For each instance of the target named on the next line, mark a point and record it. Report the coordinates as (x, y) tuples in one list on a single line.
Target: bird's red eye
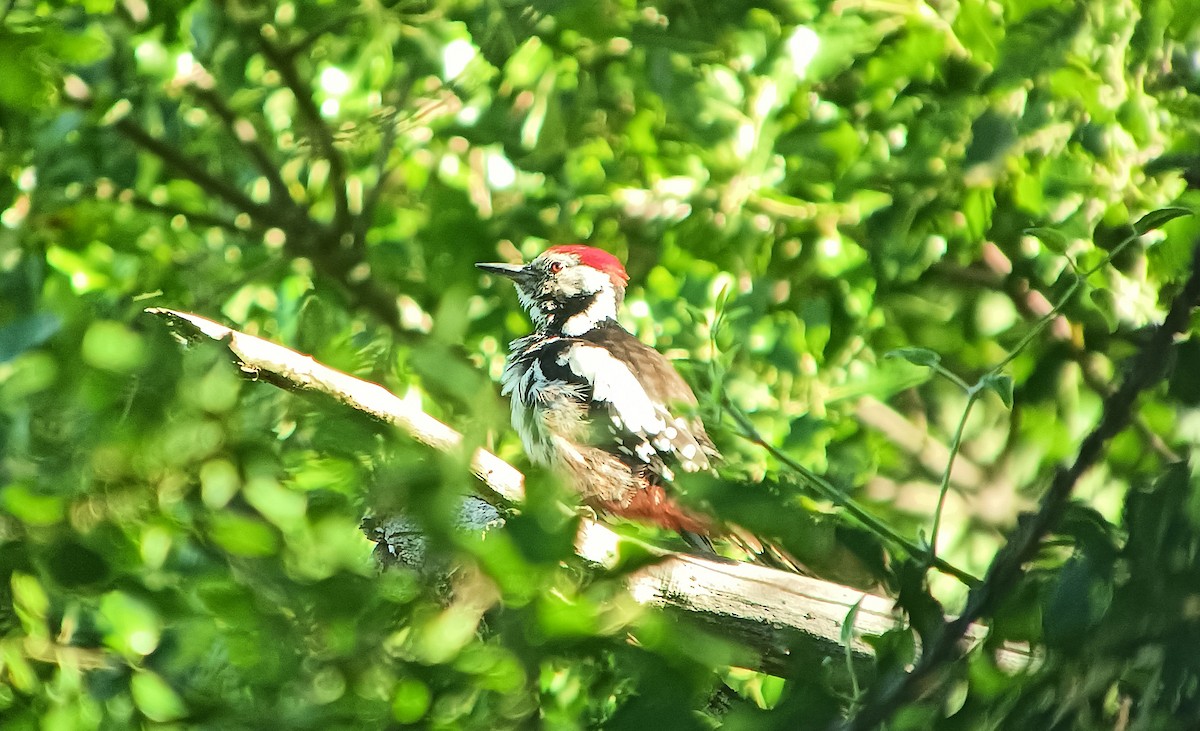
[(556, 267)]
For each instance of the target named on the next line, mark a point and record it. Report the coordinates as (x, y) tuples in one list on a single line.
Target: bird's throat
[(601, 307)]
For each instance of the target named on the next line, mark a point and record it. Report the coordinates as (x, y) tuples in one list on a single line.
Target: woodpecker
[(592, 401)]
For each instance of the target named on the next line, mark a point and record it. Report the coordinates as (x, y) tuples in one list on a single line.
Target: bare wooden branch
[(289, 369), (779, 615)]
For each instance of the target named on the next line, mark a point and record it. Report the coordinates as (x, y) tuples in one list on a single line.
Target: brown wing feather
[(684, 443)]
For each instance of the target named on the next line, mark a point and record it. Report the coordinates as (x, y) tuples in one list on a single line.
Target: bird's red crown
[(597, 259)]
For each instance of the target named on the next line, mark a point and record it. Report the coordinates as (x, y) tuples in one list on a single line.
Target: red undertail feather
[(651, 504)]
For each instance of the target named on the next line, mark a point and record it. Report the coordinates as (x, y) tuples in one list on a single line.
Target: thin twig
[(1103, 386), (1026, 301), (944, 485), (844, 501), (892, 691), (196, 217), (285, 64), (309, 40), (973, 392), (191, 170), (382, 174), (258, 154), (1080, 279)]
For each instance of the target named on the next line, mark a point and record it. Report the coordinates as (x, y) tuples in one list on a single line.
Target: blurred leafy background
[(799, 188)]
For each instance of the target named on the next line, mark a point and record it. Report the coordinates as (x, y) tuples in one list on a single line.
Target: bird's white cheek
[(603, 307)]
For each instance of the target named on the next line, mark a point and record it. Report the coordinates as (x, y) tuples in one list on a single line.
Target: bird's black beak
[(515, 272)]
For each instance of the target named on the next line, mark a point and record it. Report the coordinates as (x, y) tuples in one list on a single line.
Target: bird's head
[(569, 289)]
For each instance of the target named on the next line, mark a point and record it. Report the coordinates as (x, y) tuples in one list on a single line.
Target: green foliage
[(994, 193)]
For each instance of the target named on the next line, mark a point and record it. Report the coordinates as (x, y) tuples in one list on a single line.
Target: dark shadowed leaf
[(1002, 385), (27, 332)]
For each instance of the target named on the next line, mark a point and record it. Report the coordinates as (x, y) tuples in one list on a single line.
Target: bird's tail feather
[(699, 541), (765, 552)]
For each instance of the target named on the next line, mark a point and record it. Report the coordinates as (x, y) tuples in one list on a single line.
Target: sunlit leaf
[(916, 356), (1157, 219), (1054, 239), (155, 698)]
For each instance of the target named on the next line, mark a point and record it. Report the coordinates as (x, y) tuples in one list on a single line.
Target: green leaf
[(847, 633), (916, 356), (843, 37), (1157, 219), (27, 332), (411, 700), (1105, 303), (1081, 593), (1054, 239), (244, 536), (88, 46), (1035, 46), (112, 346), (978, 206), (29, 599), (1002, 385), (155, 698), (75, 566), (992, 136), (1184, 383), (134, 627), (32, 507)]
